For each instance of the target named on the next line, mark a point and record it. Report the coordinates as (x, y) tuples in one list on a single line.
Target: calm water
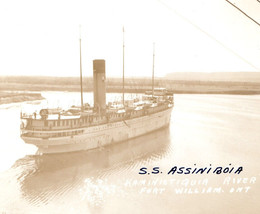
[(206, 130)]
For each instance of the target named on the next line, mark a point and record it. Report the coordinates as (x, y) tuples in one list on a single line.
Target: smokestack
[(99, 80)]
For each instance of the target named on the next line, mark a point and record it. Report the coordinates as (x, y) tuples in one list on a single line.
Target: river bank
[(12, 97), (132, 85)]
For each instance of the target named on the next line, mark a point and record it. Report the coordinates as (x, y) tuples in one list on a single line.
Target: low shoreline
[(134, 85), (14, 97), (183, 89)]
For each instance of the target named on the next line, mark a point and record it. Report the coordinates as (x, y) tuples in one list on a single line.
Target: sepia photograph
[(119, 106)]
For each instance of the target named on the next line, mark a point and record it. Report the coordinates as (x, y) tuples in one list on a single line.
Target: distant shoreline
[(132, 85), (127, 90), (14, 97)]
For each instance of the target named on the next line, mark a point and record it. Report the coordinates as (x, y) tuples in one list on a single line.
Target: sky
[(42, 37)]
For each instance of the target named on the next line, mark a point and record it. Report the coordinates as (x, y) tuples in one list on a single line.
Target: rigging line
[(243, 12), (81, 85), (210, 36)]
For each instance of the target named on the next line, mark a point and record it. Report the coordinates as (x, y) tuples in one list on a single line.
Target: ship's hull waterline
[(102, 135)]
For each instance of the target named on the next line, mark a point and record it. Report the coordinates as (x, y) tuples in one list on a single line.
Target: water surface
[(205, 131)]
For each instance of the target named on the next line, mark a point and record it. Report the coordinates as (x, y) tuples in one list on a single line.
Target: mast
[(153, 71), (123, 66), (81, 87)]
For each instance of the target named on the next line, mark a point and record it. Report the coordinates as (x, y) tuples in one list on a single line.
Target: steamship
[(90, 127)]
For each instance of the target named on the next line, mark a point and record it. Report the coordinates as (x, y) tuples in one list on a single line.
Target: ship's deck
[(58, 123)]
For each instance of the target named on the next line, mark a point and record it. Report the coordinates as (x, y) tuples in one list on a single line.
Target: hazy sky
[(42, 37)]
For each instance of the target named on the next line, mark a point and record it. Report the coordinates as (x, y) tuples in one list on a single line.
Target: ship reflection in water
[(70, 175)]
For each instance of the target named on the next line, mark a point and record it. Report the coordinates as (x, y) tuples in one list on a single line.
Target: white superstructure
[(85, 137)]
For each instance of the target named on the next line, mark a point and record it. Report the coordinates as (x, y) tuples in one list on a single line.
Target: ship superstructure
[(88, 127), (57, 130)]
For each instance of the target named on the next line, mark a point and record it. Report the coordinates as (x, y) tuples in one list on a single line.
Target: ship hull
[(102, 135)]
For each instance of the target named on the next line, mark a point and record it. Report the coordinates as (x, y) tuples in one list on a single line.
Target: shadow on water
[(56, 174)]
